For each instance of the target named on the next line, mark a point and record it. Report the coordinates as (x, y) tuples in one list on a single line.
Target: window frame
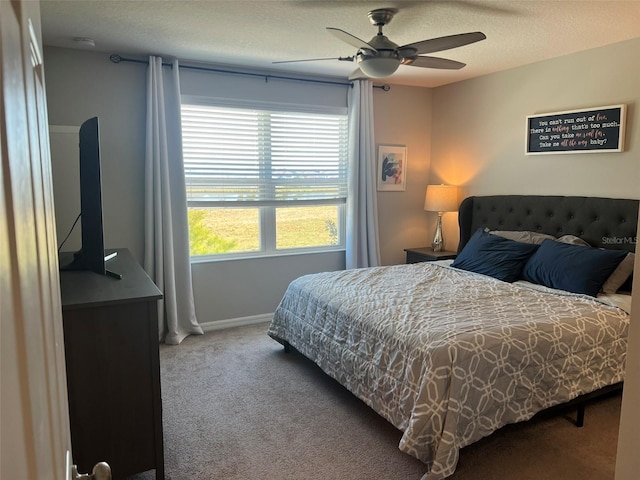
[(267, 213)]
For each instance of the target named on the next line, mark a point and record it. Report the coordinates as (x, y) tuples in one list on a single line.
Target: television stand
[(113, 368)]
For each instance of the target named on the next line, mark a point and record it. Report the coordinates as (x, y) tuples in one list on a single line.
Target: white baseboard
[(236, 322)]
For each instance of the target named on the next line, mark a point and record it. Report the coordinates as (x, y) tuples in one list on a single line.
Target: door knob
[(101, 471)]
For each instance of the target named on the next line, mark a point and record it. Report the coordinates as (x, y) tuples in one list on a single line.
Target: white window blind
[(261, 157)]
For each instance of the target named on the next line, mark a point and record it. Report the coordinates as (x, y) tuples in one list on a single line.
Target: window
[(263, 180)]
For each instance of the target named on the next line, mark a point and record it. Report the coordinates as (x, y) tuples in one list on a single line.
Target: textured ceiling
[(256, 33)]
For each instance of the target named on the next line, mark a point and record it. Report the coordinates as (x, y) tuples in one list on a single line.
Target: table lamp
[(441, 199)]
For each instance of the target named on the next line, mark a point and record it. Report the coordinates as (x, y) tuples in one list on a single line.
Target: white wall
[(479, 127), (63, 140), (403, 117), (81, 85)]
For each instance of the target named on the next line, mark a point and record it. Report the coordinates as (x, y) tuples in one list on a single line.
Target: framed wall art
[(594, 130), (392, 168)]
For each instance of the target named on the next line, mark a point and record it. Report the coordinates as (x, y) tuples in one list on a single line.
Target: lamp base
[(438, 239)]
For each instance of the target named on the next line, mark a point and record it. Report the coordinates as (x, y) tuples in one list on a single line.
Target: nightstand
[(426, 254)]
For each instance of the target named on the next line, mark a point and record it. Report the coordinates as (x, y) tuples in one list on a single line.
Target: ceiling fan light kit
[(378, 67), (380, 57)]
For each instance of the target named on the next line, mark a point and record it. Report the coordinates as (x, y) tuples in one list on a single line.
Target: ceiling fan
[(380, 57)]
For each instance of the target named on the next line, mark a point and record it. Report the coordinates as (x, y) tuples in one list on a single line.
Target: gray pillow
[(573, 240), (523, 236), (620, 274)]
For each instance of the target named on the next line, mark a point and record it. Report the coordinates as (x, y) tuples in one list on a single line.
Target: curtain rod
[(115, 58)]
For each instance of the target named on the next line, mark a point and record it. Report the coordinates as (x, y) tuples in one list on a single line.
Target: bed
[(448, 352)]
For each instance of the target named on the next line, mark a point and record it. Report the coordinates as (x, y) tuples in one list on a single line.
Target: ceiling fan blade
[(445, 43), (358, 75), (350, 39), (344, 59), (434, 62)]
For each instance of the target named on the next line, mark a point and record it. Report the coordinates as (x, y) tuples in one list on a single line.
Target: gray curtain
[(362, 204), (166, 257)]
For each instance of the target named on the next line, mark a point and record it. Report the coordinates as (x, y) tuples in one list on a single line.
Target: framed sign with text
[(596, 130)]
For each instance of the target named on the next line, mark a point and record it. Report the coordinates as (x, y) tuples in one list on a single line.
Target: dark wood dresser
[(113, 368)]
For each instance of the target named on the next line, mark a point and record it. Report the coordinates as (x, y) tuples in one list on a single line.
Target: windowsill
[(251, 256)]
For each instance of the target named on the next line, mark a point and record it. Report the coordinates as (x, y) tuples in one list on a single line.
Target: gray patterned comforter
[(449, 356)]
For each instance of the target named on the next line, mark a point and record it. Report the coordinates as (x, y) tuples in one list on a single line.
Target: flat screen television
[(91, 255)]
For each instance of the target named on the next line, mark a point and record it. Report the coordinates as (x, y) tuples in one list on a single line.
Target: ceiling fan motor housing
[(381, 16)]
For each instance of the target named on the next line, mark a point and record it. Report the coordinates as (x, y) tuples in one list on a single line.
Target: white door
[(34, 412)]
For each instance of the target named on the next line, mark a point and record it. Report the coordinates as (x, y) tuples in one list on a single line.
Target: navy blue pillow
[(573, 268), (494, 256)]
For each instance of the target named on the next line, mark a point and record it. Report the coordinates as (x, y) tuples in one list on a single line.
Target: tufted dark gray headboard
[(603, 222)]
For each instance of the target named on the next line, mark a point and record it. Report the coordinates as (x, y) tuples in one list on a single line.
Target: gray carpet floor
[(236, 407)]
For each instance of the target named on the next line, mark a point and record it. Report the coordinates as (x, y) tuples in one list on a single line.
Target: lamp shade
[(441, 198)]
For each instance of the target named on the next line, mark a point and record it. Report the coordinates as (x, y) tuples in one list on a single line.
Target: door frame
[(35, 438)]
